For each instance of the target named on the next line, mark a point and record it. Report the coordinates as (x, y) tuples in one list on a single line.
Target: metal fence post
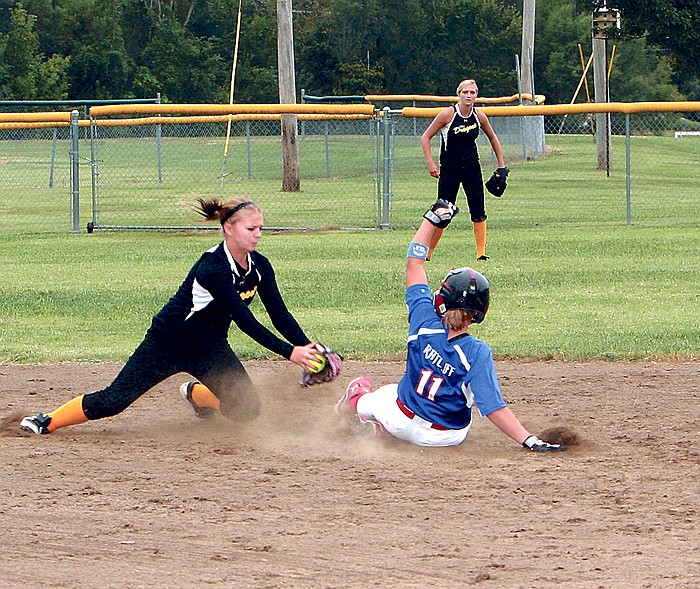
[(384, 216), (75, 174), (375, 136), (159, 145), (94, 174), (247, 150), (628, 171), (53, 157), (328, 149), (415, 122)]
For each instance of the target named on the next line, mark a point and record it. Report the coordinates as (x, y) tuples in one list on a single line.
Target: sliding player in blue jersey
[(449, 373)]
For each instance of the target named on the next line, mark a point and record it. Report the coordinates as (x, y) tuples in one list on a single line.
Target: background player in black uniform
[(190, 333), (459, 159)]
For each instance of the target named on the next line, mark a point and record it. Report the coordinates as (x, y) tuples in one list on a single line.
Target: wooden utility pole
[(605, 22), (531, 132), (287, 90), (527, 50), (601, 94)]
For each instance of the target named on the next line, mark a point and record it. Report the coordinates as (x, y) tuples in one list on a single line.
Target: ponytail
[(214, 210)]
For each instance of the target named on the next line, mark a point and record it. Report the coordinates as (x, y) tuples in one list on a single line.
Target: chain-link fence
[(35, 178), (151, 175), (365, 173)]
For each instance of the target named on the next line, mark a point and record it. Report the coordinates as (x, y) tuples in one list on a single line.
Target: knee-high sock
[(480, 238), (437, 234), (70, 413), (203, 397)]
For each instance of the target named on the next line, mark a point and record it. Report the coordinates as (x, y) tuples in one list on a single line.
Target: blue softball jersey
[(445, 378)]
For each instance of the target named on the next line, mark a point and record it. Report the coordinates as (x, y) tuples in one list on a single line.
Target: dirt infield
[(157, 498)]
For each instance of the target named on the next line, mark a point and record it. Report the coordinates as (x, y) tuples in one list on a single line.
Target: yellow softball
[(315, 366)]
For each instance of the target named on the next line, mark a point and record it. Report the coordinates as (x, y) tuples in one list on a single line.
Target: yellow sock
[(203, 397), (437, 234), (480, 237), (69, 414)]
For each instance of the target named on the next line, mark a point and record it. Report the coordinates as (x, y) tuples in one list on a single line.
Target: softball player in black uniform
[(189, 334), (459, 126)]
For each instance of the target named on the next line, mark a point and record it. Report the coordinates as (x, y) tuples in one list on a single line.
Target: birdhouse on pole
[(606, 22)]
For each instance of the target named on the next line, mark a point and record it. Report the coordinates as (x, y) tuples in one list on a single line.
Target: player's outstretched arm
[(505, 420), (437, 217), (418, 253)]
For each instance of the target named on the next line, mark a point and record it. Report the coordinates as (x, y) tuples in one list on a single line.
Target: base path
[(155, 497)]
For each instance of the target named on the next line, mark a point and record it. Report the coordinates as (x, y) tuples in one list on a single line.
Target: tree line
[(183, 49)]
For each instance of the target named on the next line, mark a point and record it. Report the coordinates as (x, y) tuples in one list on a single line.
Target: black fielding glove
[(497, 184)]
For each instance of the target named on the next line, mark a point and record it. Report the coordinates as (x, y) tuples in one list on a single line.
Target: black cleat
[(36, 424)]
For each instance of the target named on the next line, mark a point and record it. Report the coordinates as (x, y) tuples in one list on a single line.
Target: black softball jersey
[(216, 293), (458, 147)]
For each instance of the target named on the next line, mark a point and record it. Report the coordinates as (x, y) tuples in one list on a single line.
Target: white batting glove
[(534, 444)]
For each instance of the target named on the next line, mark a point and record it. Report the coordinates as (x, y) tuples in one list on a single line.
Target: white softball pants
[(381, 406)]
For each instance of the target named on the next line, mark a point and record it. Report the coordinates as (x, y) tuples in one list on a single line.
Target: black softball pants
[(470, 178), (215, 365)]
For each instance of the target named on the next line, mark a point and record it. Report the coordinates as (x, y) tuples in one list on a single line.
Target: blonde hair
[(231, 210), (457, 319), (464, 83)]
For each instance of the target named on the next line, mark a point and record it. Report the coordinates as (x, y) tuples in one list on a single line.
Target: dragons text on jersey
[(459, 139)]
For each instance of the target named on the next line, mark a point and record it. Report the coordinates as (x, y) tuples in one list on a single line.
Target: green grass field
[(565, 292), (570, 280)]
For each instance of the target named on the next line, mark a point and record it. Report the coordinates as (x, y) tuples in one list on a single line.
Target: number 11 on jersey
[(428, 376)]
